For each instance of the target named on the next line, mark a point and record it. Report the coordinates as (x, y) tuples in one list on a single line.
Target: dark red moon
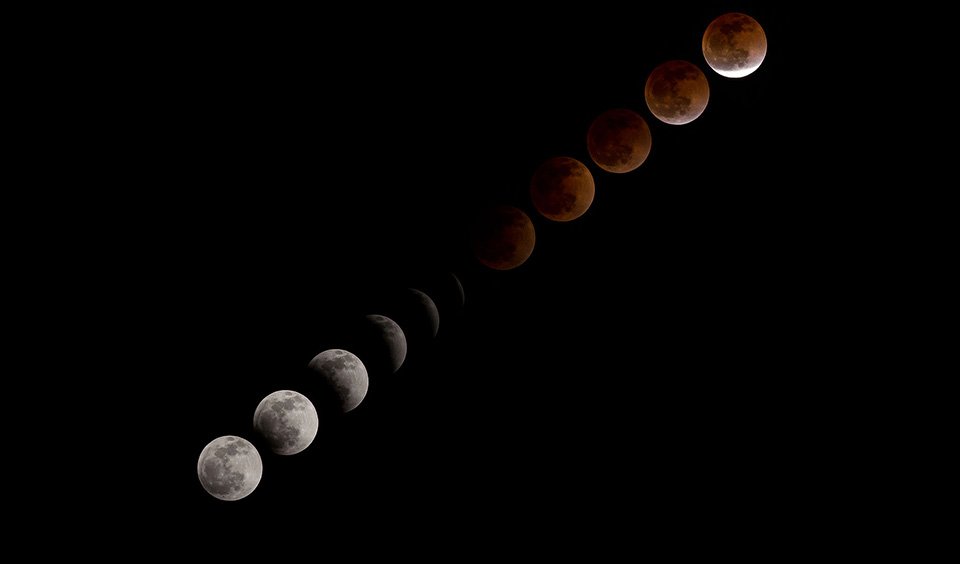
[(503, 237), (677, 92), (562, 189), (619, 140)]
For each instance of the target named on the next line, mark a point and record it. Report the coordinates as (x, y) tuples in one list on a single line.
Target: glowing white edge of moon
[(738, 73)]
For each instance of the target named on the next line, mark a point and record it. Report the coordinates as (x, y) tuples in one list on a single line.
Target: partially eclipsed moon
[(677, 92), (734, 45), (229, 468), (427, 311), (388, 344), (287, 421), (344, 379), (562, 189), (619, 140), (503, 237)]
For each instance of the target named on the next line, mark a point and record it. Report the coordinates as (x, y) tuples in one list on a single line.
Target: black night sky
[(646, 357)]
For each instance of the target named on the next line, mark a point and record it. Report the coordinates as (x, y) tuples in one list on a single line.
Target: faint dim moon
[(229, 468), (677, 92), (562, 189), (461, 295), (385, 343), (287, 421), (734, 45), (428, 314), (619, 140), (503, 237), (343, 379)]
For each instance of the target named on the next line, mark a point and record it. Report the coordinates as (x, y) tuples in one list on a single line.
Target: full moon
[(619, 140), (677, 92), (229, 468), (562, 189), (734, 45), (503, 238), (344, 378), (287, 421)]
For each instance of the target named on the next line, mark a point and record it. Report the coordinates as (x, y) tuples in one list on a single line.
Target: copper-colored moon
[(677, 92), (734, 45), (619, 140), (503, 237), (562, 189)]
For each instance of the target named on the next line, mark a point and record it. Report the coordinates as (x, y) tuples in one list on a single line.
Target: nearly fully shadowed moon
[(229, 468), (287, 421), (503, 237), (461, 295), (734, 45), (677, 92), (562, 189), (344, 379), (619, 140), (427, 308)]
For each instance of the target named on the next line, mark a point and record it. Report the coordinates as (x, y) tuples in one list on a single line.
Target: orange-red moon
[(734, 45), (503, 237), (677, 92), (619, 140), (562, 189)]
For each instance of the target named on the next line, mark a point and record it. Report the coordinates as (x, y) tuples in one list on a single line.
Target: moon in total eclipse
[(619, 140), (677, 92), (503, 237), (734, 45), (562, 189), (344, 379), (287, 421), (229, 468)]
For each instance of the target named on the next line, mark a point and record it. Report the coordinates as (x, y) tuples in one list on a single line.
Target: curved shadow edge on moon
[(429, 309), (388, 343), (343, 378)]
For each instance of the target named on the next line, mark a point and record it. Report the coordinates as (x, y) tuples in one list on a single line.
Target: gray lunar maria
[(287, 421), (229, 468), (344, 376)]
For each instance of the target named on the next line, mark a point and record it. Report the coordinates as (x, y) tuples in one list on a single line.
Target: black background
[(652, 356)]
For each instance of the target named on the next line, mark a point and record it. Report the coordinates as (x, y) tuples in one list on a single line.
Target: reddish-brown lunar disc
[(562, 189), (677, 92), (619, 140), (734, 45), (503, 237)]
